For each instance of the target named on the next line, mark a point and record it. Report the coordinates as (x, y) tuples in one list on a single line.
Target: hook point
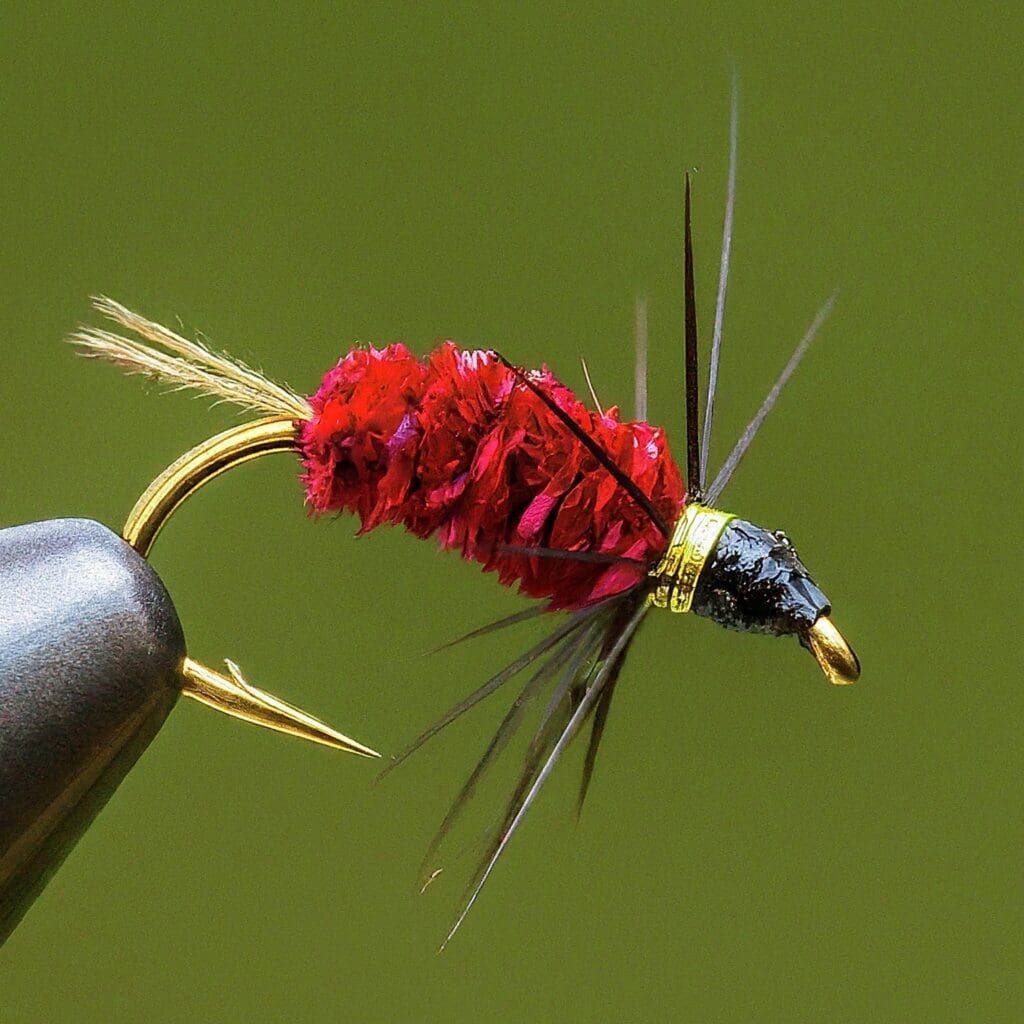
[(235, 696)]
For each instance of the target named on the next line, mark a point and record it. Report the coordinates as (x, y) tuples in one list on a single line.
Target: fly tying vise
[(580, 508), (93, 659)]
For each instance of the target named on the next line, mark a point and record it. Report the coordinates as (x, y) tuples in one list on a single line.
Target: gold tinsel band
[(693, 540)]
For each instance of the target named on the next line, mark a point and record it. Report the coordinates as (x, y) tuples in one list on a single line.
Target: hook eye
[(832, 652)]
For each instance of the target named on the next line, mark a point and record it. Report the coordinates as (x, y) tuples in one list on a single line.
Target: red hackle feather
[(455, 446)]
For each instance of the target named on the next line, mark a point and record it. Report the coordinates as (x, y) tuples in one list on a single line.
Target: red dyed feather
[(454, 445)]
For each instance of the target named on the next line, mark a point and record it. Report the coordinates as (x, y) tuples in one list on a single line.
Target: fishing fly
[(580, 509)]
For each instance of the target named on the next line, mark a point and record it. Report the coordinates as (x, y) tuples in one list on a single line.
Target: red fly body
[(457, 446)]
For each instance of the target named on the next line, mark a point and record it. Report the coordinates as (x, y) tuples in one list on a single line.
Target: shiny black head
[(755, 582)]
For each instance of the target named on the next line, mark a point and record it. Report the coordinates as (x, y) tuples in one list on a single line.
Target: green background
[(758, 846)]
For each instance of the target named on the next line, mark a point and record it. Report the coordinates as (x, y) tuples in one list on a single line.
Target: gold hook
[(231, 693), (198, 466)]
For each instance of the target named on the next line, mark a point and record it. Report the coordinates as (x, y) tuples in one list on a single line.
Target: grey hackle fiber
[(640, 364), (723, 281), (729, 467), (579, 716)]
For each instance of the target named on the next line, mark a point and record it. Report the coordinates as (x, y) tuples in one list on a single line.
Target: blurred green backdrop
[(757, 846)]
